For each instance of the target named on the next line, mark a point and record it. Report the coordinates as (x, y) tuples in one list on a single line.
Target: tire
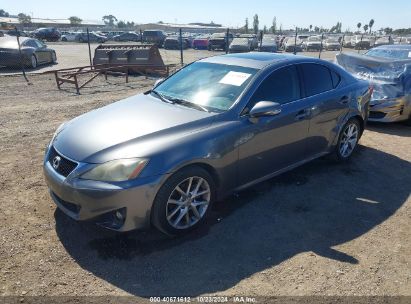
[(53, 58), (176, 214), (64, 39), (348, 141), (33, 61)]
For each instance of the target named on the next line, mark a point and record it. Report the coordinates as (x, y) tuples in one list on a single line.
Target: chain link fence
[(45, 50)]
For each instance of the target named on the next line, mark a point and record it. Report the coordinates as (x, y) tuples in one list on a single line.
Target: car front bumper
[(390, 110), (95, 200)]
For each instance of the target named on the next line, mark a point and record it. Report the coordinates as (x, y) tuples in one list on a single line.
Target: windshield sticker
[(235, 78)]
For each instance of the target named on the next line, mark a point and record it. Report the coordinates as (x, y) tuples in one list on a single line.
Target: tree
[(130, 24), (3, 13), (24, 19), (316, 29), (246, 25), (311, 27), (109, 20), (359, 25), (75, 20), (265, 31), (256, 24), (388, 31), (274, 26), (371, 24), (365, 28), (121, 24)]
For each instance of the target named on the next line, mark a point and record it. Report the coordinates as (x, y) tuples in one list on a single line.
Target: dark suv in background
[(218, 41), (156, 37), (48, 34)]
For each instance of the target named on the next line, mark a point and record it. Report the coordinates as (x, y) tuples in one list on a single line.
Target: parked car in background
[(201, 42), (33, 51), (173, 43), (290, 44), (156, 37), (268, 44), (347, 41), (360, 42), (49, 34), (253, 40), (252, 117), (129, 36), (313, 43), (402, 40), (240, 45), (331, 44), (386, 40), (83, 37), (14, 32), (388, 68), (69, 36), (218, 41)]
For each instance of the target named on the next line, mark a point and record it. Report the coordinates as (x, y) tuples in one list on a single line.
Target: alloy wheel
[(349, 140), (188, 202)]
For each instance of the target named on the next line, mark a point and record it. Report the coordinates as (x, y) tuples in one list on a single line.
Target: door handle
[(302, 114), (344, 99)]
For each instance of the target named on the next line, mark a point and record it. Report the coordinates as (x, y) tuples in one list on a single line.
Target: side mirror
[(158, 81), (265, 108)]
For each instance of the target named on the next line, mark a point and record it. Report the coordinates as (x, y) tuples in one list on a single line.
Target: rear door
[(327, 103), (271, 143)]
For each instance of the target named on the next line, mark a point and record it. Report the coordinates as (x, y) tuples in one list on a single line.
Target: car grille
[(65, 167)]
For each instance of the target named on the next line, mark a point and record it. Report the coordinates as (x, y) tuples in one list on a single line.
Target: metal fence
[(27, 55)]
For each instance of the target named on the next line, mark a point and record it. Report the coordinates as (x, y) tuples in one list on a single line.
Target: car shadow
[(311, 209), (402, 129)]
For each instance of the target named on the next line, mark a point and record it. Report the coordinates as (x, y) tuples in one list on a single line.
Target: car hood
[(139, 117)]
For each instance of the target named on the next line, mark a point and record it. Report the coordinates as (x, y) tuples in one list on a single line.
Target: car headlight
[(117, 170)]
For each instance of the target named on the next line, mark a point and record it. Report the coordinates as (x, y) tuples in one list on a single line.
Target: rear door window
[(281, 86), (317, 78)]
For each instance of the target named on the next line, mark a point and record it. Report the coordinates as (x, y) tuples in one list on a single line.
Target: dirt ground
[(322, 229)]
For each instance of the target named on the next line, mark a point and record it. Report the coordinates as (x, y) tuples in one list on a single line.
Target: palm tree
[(365, 28), (371, 24), (359, 25), (311, 27)]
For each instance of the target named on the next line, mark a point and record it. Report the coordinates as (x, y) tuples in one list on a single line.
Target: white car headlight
[(117, 170)]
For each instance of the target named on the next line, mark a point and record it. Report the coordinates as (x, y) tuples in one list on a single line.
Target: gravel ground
[(322, 229)]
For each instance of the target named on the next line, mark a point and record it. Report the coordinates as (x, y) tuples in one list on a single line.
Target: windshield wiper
[(188, 103), (159, 95)]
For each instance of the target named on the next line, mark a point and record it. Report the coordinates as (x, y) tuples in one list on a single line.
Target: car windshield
[(213, 86), (390, 53)]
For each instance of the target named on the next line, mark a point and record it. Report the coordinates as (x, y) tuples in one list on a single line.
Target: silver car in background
[(216, 126)]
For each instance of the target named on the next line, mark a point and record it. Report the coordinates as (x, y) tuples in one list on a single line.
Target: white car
[(69, 36)]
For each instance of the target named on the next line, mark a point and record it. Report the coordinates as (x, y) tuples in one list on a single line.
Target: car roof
[(258, 60), (406, 47)]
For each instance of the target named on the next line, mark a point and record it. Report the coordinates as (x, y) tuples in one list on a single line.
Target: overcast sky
[(326, 13)]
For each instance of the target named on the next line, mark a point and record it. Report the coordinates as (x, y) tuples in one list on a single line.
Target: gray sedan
[(217, 126)]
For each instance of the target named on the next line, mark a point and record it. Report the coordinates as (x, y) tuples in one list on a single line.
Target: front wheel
[(183, 202), (348, 140)]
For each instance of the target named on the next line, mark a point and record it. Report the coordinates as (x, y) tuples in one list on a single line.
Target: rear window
[(336, 79), (317, 78)]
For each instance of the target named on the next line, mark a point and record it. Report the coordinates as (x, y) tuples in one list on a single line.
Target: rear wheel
[(33, 61), (348, 140), (183, 202), (53, 57)]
